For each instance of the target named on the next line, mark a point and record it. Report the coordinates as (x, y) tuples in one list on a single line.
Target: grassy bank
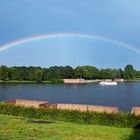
[(55, 81), (117, 120), (93, 81), (17, 82), (31, 82), (133, 80), (19, 128)]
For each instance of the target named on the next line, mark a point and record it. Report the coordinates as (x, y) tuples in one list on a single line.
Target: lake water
[(124, 95)]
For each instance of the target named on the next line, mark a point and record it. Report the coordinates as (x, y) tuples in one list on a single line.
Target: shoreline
[(58, 82), (28, 82)]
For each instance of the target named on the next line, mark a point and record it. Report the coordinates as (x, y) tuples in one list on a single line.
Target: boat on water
[(108, 83)]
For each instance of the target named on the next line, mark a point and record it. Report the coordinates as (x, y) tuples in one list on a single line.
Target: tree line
[(39, 74)]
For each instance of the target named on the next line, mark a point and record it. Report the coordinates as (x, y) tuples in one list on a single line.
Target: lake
[(124, 95)]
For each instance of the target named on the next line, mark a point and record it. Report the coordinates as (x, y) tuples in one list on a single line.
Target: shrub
[(118, 119), (57, 81)]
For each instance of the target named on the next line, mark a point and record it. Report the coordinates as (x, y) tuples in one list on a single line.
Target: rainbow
[(62, 35)]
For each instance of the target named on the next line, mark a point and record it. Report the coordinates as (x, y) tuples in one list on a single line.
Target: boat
[(105, 83)]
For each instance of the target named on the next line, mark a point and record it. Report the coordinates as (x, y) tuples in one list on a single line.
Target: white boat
[(105, 83)]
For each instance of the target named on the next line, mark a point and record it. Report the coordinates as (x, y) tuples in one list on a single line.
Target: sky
[(116, 20)]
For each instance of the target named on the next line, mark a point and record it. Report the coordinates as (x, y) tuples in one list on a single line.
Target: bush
[(57, 81), (118, 119)]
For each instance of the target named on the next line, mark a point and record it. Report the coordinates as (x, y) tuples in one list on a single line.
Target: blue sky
[(118, 20)]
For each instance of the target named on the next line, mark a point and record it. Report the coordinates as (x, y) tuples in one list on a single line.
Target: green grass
[(17, 82), (19, 128), (133, 80), (23, 82), (28, 82)]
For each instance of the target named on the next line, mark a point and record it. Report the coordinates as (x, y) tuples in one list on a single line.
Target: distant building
[(74, 81)]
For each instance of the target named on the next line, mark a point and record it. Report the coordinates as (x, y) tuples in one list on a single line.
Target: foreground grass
[(19, 128)]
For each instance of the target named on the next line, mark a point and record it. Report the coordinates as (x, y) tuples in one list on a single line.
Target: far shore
[(24, 82), (51, 82), (133, 80)]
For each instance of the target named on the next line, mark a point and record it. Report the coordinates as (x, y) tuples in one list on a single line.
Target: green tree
[(86, 72), (79, 72), (38, 75), (106, 74), (129, 72), (4, 73), (31, 75), (23, 73), (66, 72), (14, 73), (121, 73), (51, 73), (137, 74)]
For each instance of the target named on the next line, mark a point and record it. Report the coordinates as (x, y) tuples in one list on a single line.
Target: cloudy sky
[(115, 20)]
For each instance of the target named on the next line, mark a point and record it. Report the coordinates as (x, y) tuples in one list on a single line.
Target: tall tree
[(38, 74), (67, 72), (14, 73), (4, 73), (129, 72), (86, 72)]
